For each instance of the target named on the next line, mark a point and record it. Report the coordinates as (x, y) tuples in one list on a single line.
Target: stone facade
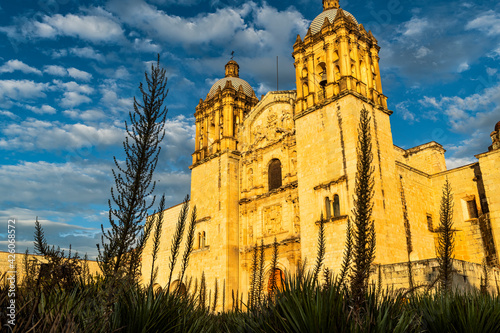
[(265, 170)]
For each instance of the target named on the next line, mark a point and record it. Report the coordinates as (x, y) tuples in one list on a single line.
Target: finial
[(232, 68), (330, 4)]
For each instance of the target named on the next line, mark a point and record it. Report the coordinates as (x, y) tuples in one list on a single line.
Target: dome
[(232, 74), (317, 23), (236, 82)]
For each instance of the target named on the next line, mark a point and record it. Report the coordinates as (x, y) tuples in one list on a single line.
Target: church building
[(270, 168)]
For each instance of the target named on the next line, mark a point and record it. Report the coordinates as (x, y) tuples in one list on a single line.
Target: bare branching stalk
[(261, 273), (254, 276), (446, 241), (216, 295), (188, 249), (202, 299), (320, 257), (364, 231), (274, 269), (122, 244), (158, 219), (347, 257), (177, 238)]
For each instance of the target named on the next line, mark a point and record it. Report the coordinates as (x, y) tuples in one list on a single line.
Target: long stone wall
[(19, 265), (467, 276)]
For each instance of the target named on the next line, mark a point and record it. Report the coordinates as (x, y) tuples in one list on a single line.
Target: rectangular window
[(472, 208), (429, 223)]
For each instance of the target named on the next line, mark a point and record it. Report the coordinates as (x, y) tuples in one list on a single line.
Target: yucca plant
[(458, 312)]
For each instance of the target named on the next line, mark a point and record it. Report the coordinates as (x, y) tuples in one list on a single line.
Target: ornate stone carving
[(272, 220)]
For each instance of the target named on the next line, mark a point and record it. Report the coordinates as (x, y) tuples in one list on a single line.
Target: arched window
[(337, 73), (321, 72), (203, 239), (305, 89), (364, 75), (199, 240), (336, 206), (328, 209), (274, 174)]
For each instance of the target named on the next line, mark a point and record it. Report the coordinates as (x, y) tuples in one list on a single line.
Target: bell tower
[(215, 176), (219, 115), (337, 75), (337, 56)]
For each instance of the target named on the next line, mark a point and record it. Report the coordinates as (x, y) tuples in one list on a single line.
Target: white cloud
[(8, 114), (112, 99), (22, 89), (422, 52), (491, 71), (415, 27), (474, 115), (463, 67), (17, 65), (92, 28), (220, 25), (87, 52), (73, 98), (44, 109), (55, 70), (75, 94), (79, 75), (57, 230), (72, 72), (33, 134), (267, 28), (452, 162), (146, 45), (87, 115), (33, 183), (405, 113), (488, 22)]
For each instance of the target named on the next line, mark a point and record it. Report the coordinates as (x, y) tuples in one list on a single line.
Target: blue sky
[(69, 70)]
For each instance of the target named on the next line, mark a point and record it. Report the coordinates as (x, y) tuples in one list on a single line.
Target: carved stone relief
[(272, 220)]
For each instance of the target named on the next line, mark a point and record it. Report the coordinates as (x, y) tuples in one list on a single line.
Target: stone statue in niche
[(272, 122), (272, 221), (287, 122)]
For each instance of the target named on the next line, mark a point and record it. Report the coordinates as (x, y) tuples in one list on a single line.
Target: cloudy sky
[(69, 70)]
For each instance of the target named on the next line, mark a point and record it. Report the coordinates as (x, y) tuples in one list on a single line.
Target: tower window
[(430, 227), (328, 209), (274, 174), (203, 239), (336, 206)]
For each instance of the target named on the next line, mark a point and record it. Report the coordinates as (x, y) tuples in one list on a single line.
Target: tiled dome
[(236, 82), (317, 23)]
